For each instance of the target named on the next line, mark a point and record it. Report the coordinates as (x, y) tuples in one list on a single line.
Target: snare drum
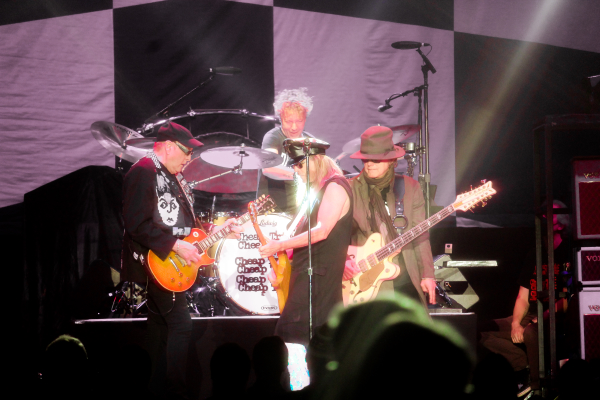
[(241, 270)]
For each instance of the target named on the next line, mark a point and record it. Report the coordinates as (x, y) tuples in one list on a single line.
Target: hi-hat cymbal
[(400, 133), (230, 156), (113, 137)]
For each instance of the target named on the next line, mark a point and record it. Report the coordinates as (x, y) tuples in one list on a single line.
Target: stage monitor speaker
[(589, 322), (586, 179)]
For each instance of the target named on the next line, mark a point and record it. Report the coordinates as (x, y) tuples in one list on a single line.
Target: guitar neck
[(412, 234), (210, 240)]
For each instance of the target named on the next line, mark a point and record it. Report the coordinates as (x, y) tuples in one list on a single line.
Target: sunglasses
[(187, 151), (377, 161), (299, 164)]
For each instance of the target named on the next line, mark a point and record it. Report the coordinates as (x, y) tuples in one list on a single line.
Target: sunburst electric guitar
[(281, 270), (174, 274), (374, 258)]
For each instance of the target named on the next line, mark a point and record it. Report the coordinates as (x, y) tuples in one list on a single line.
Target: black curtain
[(72, 229)]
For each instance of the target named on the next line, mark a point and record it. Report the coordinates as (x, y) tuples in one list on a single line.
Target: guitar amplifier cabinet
[(588, 265), (589, 322), (586, 174)]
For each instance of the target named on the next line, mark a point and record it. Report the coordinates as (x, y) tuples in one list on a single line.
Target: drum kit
[(236, 283)]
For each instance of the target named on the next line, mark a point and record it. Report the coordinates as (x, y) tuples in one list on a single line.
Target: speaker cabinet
[(589, 322), (586, 174)]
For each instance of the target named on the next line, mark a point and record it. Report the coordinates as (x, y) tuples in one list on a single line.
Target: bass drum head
[(241, 270)]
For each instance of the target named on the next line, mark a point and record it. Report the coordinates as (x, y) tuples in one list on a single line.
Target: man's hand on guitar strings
[(187, 251), (350, 269), (236, 228)]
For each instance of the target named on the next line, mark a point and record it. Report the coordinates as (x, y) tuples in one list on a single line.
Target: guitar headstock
[(264, 204), (470, 199)]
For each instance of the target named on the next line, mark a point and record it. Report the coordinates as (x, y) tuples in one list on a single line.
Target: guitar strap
[(400, 221), (298, 219)]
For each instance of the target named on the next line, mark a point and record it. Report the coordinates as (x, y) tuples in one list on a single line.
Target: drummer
[(293, 106)]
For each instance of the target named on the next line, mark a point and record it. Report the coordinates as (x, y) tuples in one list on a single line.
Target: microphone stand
[(165, 111), (425, 178), (308, 214), (397, 95)]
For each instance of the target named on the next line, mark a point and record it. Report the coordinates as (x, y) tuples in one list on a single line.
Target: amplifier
[(589, 322), (588, 265), (586, 179)]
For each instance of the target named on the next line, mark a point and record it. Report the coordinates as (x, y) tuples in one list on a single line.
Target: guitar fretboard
[(375, 258), (209, 241)]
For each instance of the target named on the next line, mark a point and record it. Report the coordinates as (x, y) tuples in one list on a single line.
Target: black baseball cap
[(177, 133)]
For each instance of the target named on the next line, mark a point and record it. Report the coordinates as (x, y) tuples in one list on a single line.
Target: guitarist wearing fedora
[(384, 201)]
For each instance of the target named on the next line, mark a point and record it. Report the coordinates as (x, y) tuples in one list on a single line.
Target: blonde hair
[(325, 169)]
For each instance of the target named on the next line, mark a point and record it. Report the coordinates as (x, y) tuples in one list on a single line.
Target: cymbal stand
[(236, 170), (146, 127)]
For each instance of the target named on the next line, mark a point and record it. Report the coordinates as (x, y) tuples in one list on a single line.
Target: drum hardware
[(244, 157), (128, 299), (149, 126), (410, 157), (165, 111), (200, 298)]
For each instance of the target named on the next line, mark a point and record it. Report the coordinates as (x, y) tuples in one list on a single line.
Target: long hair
[(325, 169)]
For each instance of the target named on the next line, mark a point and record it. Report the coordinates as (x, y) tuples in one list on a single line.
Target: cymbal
[(403, 132), (113, 137), (230, 156), (142, 143), (400, 133)]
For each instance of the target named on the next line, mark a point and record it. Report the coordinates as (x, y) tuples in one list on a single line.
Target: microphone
[(225, 71), (404, 45), (383, 108)]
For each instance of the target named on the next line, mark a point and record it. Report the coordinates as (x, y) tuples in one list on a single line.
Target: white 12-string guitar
[(374, 258)]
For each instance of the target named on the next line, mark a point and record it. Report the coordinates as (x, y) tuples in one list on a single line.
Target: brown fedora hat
[(376, 143)]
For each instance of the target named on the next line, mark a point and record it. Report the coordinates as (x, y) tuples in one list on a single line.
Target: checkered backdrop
[(501, 66)]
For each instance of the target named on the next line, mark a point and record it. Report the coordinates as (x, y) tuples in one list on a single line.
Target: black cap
[(294, 148), (177, 133)]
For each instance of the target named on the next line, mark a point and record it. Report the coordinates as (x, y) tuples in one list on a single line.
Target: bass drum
[(242, 272)]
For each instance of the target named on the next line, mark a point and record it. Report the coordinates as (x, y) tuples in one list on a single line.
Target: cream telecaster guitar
[(374, 258)]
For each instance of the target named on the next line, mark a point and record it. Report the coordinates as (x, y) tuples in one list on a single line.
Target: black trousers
[(498, 340), (168, 334)]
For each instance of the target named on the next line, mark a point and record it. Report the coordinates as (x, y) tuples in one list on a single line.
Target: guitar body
[(282, 271), (172, 273), (365, 285)]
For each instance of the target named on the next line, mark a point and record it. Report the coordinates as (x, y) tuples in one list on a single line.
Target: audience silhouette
[(270, 360), (229, 371)]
